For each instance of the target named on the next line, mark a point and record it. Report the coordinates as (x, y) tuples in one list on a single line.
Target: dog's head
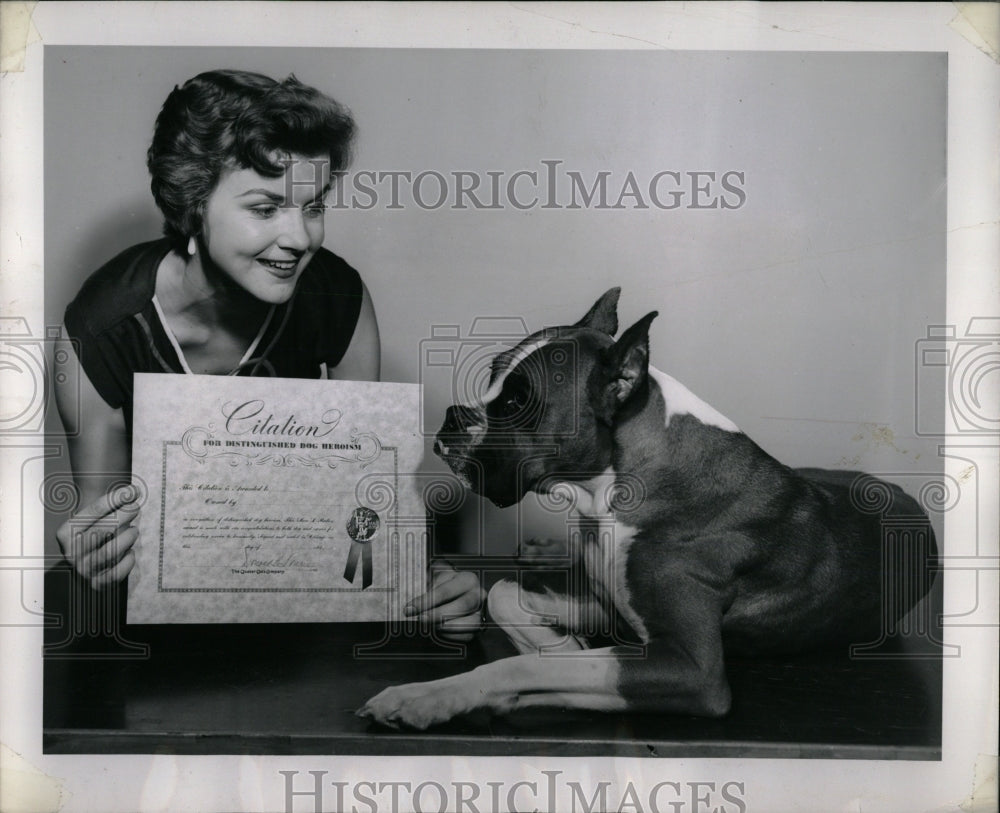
[(551, 403)]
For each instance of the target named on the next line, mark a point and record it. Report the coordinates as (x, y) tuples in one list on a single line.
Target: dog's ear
[(604, 315), (627, 364)]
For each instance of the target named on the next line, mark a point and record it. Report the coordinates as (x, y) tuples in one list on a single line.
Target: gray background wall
[(795, 315)]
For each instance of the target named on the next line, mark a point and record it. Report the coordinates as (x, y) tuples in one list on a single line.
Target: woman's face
[(262, 232)]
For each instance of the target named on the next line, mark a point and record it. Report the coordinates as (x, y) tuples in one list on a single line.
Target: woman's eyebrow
[(267, 193), (279, 198)]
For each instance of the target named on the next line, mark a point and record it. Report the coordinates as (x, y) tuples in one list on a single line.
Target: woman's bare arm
[(97, 539), (362, 361)]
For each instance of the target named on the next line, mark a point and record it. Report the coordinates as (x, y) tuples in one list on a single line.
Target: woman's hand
[(98, 539), (453, 603)]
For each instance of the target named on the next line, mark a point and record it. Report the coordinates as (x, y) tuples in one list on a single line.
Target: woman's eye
[(268, 210), (315, 211)]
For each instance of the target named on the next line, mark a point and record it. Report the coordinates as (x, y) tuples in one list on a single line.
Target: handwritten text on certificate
[(271, 500)]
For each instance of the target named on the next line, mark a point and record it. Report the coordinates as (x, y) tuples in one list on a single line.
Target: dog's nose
[(457, 419)]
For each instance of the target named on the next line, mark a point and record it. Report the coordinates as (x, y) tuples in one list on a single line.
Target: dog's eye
[(515, 402)]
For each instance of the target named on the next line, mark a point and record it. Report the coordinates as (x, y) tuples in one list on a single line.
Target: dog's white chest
[(605, 556)]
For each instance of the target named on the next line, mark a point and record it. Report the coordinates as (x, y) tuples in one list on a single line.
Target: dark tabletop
[(293, 689)]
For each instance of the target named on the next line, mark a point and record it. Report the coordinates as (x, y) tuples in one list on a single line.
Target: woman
[(239, 285)]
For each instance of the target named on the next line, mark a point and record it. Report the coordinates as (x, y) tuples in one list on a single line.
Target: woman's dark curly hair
[(234, 119)]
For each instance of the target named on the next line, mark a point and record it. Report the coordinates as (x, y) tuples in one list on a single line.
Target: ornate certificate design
[(274, 500)]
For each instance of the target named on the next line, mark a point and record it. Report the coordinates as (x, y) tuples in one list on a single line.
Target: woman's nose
[(294, 235)]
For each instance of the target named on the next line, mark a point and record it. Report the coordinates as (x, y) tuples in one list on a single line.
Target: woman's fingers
[(452, 595), (98, 536), (440, 567), (452, 604), (100, 546), (111, 552), (445, 589), (106, 512), (115, 574), (123, 499), (459, 629)]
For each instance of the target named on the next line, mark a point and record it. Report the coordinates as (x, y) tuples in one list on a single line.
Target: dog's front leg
[(547, 625), (588, 680), (681, 671), (666, 679)]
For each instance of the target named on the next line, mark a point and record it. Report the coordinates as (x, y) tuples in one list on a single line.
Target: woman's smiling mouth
[(280, 268)]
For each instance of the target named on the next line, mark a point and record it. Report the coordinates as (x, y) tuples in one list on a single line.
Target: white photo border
[(182, 783)]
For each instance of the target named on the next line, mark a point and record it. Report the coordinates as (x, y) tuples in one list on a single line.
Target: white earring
[(192, 246)]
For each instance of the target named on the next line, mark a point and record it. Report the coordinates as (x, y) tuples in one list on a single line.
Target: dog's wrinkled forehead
[(531, 350), (507, 361)]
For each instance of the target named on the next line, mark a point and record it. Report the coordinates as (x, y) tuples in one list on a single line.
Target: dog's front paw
[(414, 705)]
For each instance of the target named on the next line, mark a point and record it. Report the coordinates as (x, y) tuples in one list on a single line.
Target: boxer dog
[(705, 544)]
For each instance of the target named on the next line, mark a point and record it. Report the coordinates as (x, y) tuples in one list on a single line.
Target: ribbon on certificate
[(363, 551), (361, 527)]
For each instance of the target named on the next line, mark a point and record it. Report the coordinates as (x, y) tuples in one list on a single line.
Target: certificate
[(269, 500)]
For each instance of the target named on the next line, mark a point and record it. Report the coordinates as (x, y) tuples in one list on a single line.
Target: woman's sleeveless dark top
[(117, 332)]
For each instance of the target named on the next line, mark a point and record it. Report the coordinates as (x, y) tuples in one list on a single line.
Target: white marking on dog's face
[(681, 401), (475, 432), (521, 353)]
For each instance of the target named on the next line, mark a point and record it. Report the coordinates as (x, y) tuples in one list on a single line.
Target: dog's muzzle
[(458, 437), (463, 427)]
